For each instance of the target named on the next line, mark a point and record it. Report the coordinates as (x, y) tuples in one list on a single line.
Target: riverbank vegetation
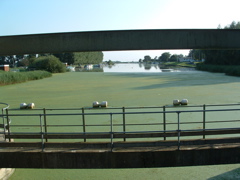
[(180, 64), (165, 57), (47, 63), (74, 58), (228, 70), (7, 78)]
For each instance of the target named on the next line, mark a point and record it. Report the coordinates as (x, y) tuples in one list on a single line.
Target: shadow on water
[(179, 79), (234, 174)]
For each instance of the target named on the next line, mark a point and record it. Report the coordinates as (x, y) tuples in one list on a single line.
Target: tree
[(31, 56), (224, 57), (197, 54), (48, 63), (10, 60), (173, 58), (65, 57), (165, 57), (44, 54), (23, 62), (219, 57), (2, 60), (233, 25), (147, 59), (180, 56)]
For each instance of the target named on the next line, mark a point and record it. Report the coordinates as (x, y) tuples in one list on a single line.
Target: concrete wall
[(66, 159), (121, 40)]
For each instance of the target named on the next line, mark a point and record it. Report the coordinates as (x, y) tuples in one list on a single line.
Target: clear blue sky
[(49, 16)]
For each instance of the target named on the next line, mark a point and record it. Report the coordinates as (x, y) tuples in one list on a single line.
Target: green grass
[(7, 78), (180, 64)]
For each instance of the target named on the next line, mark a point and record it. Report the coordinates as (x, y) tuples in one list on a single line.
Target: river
[(143, 68), (129, 89)]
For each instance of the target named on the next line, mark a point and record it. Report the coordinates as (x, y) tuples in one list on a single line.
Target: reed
[(7, 78), (227, 69)]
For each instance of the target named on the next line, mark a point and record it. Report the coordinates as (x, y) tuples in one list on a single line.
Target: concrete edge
[(5, 173)]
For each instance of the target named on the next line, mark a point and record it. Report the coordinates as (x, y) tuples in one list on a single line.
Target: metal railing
[(121, 124), (4, 126)]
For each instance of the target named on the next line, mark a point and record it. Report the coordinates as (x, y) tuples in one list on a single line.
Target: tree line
[(165, 57), (75, 58)]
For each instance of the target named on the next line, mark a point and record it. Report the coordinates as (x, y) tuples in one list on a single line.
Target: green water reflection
[(130, 89)]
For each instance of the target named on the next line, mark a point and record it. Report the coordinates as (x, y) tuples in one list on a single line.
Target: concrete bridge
[(120, 40)]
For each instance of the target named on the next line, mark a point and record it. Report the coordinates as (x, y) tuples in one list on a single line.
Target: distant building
[(4, 67), (186, 59)]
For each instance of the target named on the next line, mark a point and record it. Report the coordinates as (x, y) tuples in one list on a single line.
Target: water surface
[(142, 68), (127, 89)]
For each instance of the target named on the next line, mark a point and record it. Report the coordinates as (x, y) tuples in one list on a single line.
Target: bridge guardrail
[(120, 124)]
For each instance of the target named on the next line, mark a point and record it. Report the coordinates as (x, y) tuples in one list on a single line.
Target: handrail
[(119, 113), (135, 107), (165, 127), (6, 127), (6, 105)]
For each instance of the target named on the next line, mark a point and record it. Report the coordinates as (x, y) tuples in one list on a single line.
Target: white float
[(30, 105), (96, 104), (23, 106), (104, 104), (176, 102), (184, 102)]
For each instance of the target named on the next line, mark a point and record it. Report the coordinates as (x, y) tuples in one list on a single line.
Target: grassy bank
[(180, 64), (228, 70), (7, 78)]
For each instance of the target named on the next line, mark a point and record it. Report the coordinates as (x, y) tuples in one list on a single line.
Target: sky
[(19, 17)]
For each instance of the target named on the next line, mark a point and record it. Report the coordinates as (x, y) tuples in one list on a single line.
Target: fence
[(121, 124)]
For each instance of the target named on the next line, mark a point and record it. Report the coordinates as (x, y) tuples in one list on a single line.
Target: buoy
[(30, 105), (23, 106), (176, 102), (96, 104), (104, 104), (184, 102)]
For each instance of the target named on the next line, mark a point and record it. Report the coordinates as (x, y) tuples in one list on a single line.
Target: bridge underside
[(122, 155), (120, 40)]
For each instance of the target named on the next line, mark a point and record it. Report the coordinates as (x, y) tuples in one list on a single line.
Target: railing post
[(83, 123), (111, 131), (3, 121), (45, 123), (178, 130), (42, 134), (164, 122), (204, 120), (8, 125), (124, 122)]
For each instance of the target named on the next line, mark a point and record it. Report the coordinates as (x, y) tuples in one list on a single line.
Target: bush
[(228, 70), (18, 77), (48, 63)]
